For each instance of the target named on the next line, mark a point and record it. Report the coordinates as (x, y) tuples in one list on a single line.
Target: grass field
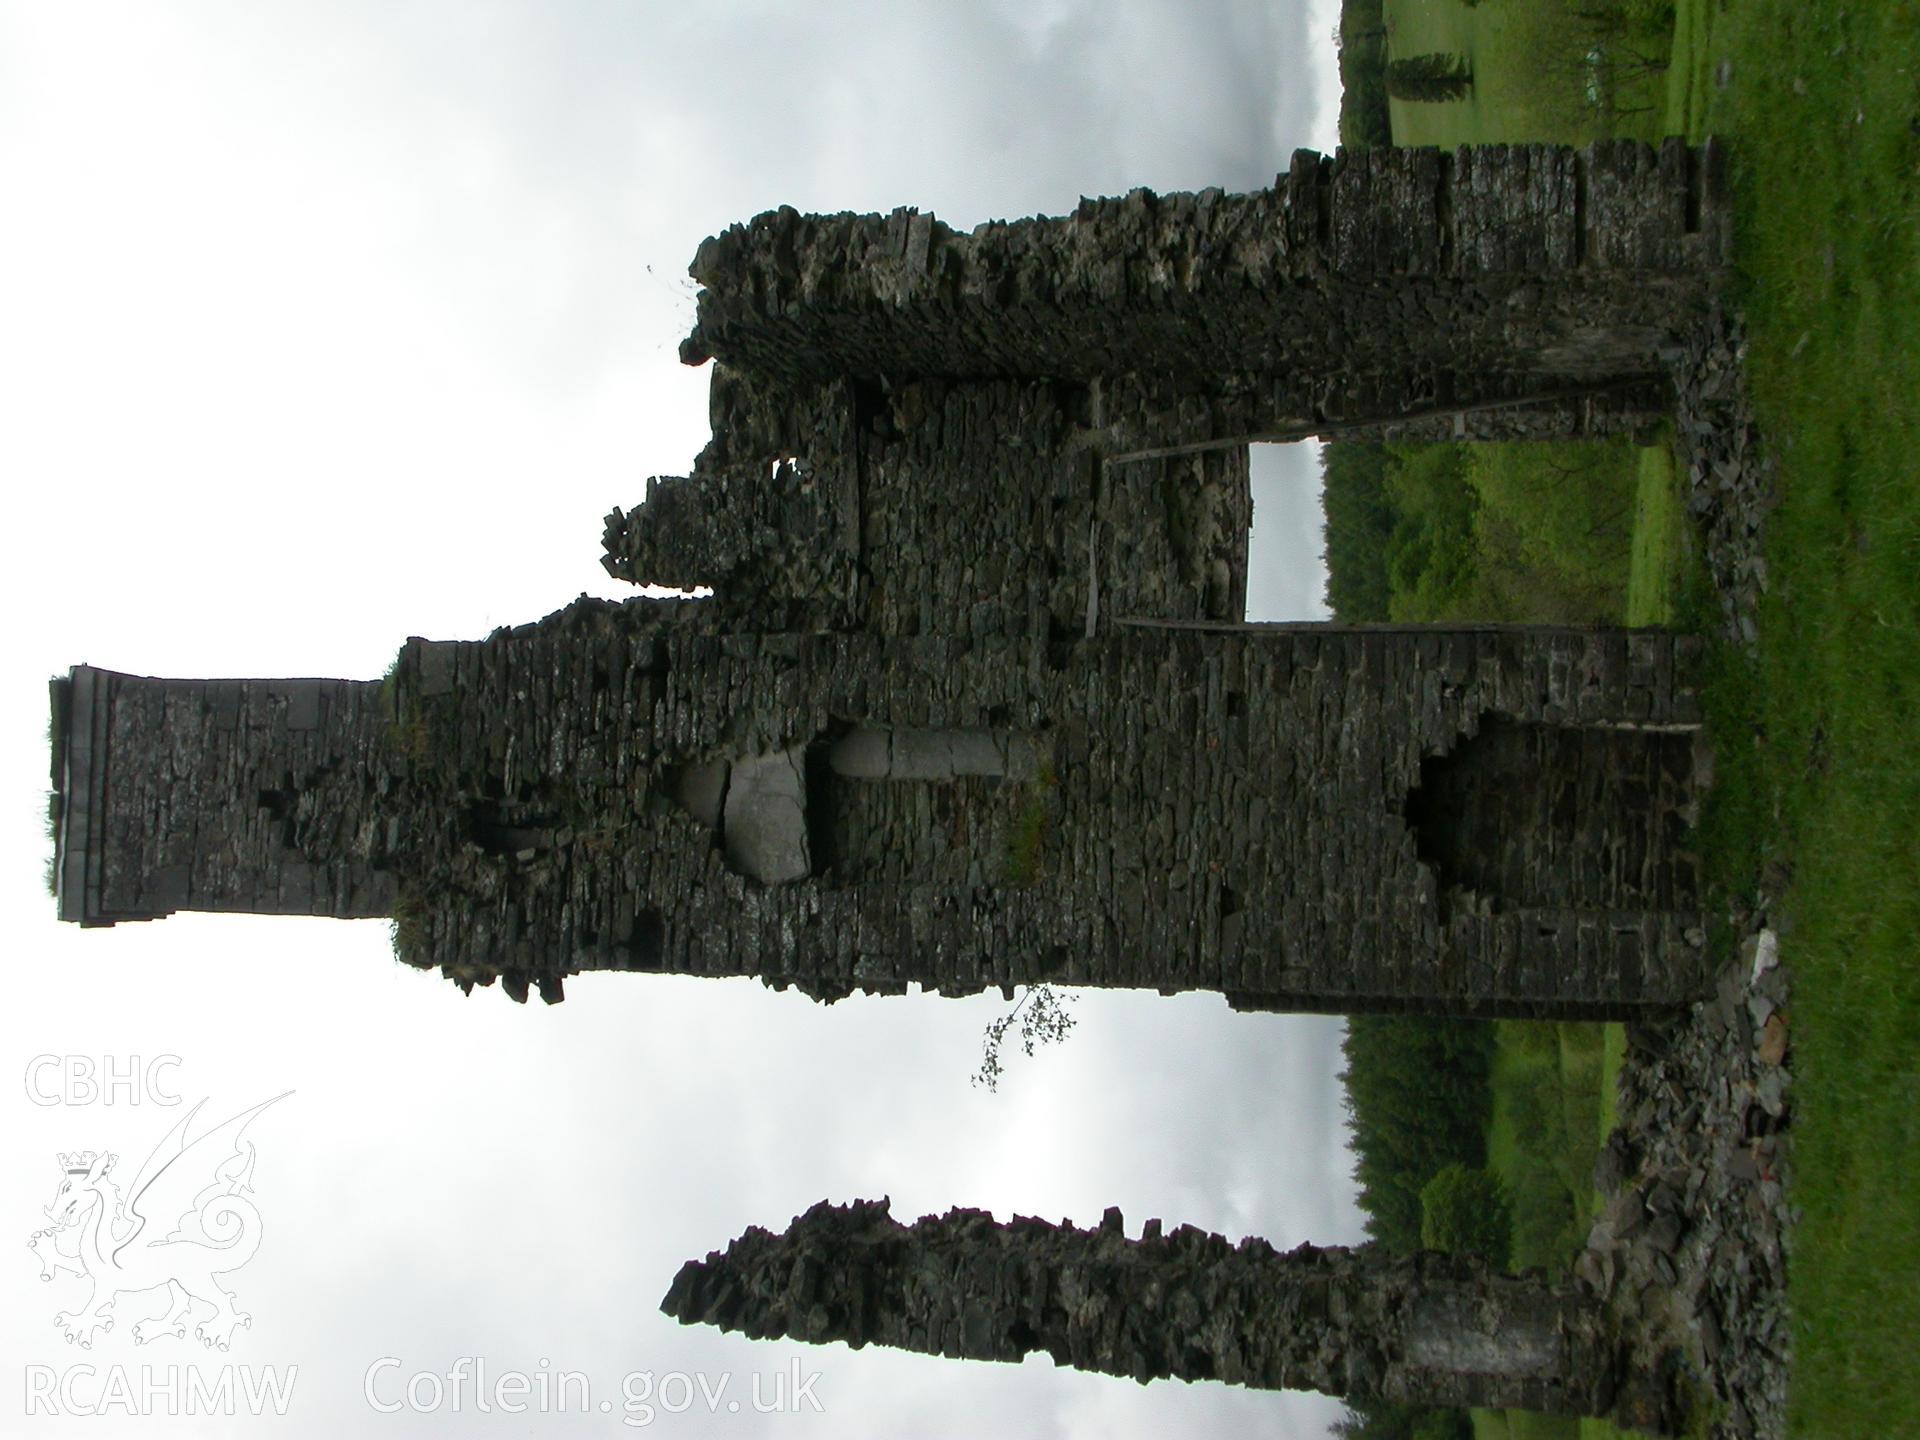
[(1554, 1088), (1530, 66), (1521, 1425), (1550, 1116), (1819, 738), (1554, 1085), (1816, 811), (1664, 578)]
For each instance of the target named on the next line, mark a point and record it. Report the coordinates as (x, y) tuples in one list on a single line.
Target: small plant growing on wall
[(1031, 823), (408, 927)]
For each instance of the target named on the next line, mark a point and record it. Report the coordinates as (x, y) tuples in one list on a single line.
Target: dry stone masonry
[(1358, 1323), (238, 795), (973, 703)]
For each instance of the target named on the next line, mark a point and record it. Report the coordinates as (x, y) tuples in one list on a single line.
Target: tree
[(1430, 557), (1429, 78), (1361, 44), (1043, 1019), (1553, 530), (1359, 523), (1418, 1100), (1466, 1212)]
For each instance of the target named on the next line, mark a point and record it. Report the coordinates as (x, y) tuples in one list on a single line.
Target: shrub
[(1466, 1212)]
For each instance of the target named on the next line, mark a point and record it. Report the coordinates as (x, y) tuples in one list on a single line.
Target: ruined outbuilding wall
[(930, 507), (1357, 1323), (1364, 289), (917, 430)]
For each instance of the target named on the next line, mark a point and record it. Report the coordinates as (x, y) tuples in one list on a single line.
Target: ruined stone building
[(972, 703)]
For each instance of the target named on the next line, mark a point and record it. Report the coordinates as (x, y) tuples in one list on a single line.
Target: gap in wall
[(1286, 569)]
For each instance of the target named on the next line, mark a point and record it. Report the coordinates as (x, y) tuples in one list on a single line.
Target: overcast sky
[(326, 324)]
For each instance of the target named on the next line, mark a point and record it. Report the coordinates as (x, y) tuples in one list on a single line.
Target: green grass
[(1555, 1089), (1689, 77), (1613, 1055), (1027, 842), (1528, 64), (1553, 1106), (1525, 1425), (1662, 566), (1818, 738), (1817, 805), (1555, 1086), (1816, 810)]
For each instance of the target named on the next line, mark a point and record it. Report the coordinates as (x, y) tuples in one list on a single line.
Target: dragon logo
[(121, 1244)]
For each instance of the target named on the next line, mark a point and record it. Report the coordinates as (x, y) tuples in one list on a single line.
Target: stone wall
[(1262, 811), (1223, 809), (242, 795), (968, 488), (927, 507), (1357, 1323), (1362, 289)]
